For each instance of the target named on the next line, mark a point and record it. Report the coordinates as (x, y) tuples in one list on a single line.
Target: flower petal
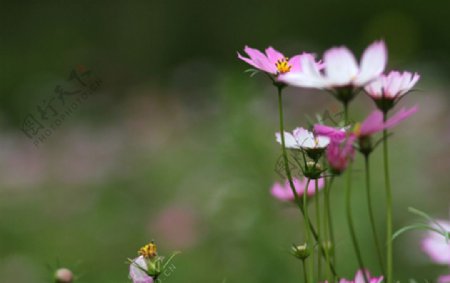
[(373, 62), (340, 66)]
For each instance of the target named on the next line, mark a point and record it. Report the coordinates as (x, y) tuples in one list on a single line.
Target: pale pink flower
[(341, 69), (340, 153), (274, 62), (444, 279), (137, 273), (392, 86), (374, 122), (301, 138), (359, 278), (436, 245), (284, 192)]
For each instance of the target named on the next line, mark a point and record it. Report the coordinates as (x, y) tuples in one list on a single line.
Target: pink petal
[(444, 279), (137, 274), (340, 66), (372, 124), (400, 116), (373, 62), (334, 134), (273, 55), (308, 76), (260, 60)]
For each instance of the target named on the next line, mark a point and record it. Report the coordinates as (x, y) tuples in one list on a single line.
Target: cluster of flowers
[(329, 150)]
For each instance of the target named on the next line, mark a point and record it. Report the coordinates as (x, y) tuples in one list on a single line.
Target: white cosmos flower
[(341, 68), (301, 138)]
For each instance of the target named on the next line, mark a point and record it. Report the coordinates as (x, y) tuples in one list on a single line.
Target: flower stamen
[(148, 251), (283, 65)]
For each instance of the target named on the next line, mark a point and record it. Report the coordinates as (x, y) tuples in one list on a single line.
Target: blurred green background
[(177, 144)]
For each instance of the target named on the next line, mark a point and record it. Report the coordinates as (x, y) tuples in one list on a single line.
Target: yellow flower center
[(357, 129), (283, 65), (148, 251)]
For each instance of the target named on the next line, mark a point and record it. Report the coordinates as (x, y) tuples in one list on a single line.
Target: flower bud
[(63, 275), (300, 251), (312, 170)]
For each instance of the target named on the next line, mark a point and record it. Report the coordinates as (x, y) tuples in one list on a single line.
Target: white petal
[(340, 66), (373, 62)]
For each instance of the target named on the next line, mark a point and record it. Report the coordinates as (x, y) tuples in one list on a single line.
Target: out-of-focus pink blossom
[(339, 154), (178, 225), (283, 192), (392, 86), (303, 139), (444, 279), (436, 245), (359, 278), (137, 273), (341, 69), (274, 62)]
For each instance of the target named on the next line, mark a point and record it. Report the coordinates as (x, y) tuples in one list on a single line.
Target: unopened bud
[(63, 275), (313, 170), (300, 251)]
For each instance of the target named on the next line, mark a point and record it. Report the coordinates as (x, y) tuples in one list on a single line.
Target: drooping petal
[(373, 62), (372, 124), (137, 274), (341, 67), (400, 116)]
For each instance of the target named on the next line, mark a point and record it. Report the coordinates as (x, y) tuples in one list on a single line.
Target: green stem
[(389, 225), (350, 221), (305, 277), (327, 228), (316, 198), (308, 232), (345, 113), (330, 220), (371, 214), (289, 176)]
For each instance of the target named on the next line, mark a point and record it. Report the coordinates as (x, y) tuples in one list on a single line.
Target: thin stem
[(305, 277), (389, 228), (308, 232), (327, 228), (317, 204), (371, 214), (289, 176), (330, 221), (350, 221), (346, 112)]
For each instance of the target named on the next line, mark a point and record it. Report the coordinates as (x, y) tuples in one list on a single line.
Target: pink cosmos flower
[(392, 86), (444, 279), (303, 139), (137, 273), (340, 153), (436, 245), (273, 62), (359, 278), (374, 122), (283, 192), (341, 69)]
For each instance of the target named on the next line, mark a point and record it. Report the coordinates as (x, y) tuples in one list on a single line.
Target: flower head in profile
[(436, 245), (146, 266), (374, 123), (283, 191), (359, 278), (341, 69), (388, 89), (273, 62)]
